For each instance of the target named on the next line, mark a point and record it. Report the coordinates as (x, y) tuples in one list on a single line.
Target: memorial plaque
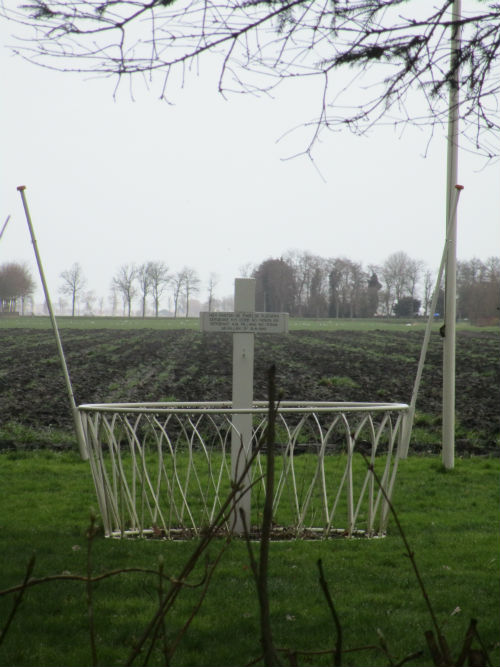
[(245, 322)]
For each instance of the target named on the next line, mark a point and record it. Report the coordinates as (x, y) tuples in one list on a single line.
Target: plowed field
[(108, 365)]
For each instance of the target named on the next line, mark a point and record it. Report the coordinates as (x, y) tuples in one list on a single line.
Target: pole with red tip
[(74, 410)]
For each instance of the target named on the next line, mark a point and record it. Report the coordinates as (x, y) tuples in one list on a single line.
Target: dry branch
[(374, 60)]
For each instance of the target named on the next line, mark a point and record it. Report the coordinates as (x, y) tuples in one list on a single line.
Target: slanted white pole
[(425, 344), (4, 226), (448, 412), (241, 439), (74, 410)]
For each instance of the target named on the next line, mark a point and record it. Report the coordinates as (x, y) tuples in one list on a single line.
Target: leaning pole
[(80, 437), (448, 412)]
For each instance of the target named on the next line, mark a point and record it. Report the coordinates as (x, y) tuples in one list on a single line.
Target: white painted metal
[(165, 467), (241, 439), (244, 323), (4, 226), (427, 334), (448, 413), (74, 410)]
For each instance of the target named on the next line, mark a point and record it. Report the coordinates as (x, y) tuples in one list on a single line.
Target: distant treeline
[(300, 283), (307, 285), (16, 285)]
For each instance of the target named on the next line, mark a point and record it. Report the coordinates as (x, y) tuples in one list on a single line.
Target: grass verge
[(451, 521), (171, 323)]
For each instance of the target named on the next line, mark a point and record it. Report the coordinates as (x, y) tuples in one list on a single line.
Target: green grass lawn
[(451, 520), (296, 323)]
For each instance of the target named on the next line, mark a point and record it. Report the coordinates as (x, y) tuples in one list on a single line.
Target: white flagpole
[(425, 344), (448, 413), (74, 410)]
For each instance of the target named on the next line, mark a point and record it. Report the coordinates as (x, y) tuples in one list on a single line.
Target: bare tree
[(400, 274), (73, 284), (226, 303), (492, 266), (372, 58), (123, 282), (191, 285), (213, 279), (318, 293), (478, 289), (349, 296), (415, 269), (275, 286), (113, 299), (304, 265), (428, 290), (61, 305), (89, 299), (246, 270), (177, 288), (160, 279), (143, 276), (15, 283)]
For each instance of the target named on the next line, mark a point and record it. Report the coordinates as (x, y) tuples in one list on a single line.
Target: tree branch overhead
[(376, 60)]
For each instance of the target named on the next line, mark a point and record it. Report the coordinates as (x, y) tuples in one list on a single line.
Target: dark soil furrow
[(149, 365)]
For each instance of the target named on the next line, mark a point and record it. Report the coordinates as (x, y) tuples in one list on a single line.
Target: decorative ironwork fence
[(165, 469)]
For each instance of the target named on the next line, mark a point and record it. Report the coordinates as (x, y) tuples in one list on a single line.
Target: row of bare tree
[(147, 281), (307, 285), (303, 284), (478, 289)]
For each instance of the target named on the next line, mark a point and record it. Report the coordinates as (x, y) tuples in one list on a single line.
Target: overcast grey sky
[(204, 183)]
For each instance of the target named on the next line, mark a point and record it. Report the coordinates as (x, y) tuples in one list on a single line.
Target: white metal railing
[(164, 468)]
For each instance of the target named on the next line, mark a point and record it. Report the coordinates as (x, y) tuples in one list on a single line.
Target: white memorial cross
[(243, 323)]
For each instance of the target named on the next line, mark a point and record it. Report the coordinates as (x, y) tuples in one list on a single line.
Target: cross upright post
[(241, 436), (243, 323)]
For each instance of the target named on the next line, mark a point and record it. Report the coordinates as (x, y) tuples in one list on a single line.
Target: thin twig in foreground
[(160, 601), (211, 570), (409, 551), (270, 655), (18, 599), (81, 577), (337, 658), (206, 538), (90, 608)]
